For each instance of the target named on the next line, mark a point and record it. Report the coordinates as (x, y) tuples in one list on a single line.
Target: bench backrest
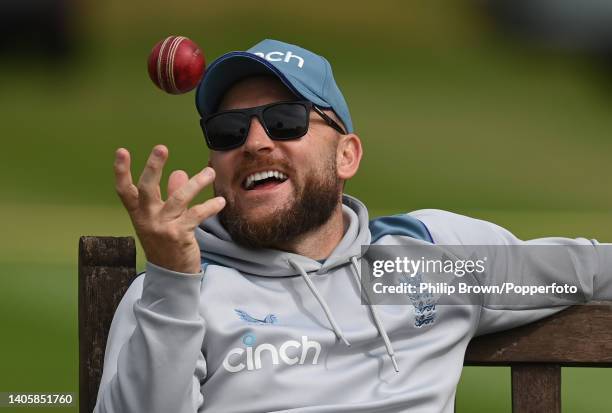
[(107, 266), (578, 336)]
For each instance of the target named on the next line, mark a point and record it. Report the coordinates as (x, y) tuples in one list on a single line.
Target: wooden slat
[(578, 336), (536, 388), (107, 266)]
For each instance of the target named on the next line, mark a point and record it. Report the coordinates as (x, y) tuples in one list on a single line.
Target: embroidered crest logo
[(424, 303)]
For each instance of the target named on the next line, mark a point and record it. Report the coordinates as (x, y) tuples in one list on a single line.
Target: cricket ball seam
[(171, 54), (160, 77)]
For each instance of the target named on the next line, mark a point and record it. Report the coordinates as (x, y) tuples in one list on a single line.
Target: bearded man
[(251, 301)]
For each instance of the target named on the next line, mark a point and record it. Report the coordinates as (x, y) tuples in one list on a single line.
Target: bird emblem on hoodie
[(269, 319)]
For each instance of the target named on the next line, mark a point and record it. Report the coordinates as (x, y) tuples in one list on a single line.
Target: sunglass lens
[(286, 120), (226, 130)]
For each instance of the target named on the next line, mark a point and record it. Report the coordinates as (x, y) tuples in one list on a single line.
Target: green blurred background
[(456, 111)]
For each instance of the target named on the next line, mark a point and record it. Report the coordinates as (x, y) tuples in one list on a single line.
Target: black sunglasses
[(281, 120)]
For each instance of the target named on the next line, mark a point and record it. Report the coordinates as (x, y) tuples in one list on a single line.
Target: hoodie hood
[(217, 246)]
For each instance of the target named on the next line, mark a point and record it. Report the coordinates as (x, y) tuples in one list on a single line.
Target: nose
[(257, 139)]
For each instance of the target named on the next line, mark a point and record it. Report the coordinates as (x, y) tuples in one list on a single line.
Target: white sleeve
[(153, 361), (590, 270)]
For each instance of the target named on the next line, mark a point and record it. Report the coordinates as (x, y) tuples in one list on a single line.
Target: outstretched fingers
[(127, 191), (177, 179), (148, 184), (205, 210), (180, 198)]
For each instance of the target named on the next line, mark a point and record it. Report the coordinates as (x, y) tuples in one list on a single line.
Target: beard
[(312, 206)]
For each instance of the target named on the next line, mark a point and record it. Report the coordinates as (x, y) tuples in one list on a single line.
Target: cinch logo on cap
[(278, 57)]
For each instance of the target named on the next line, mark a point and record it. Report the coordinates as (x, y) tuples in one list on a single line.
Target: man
[(251, 300)]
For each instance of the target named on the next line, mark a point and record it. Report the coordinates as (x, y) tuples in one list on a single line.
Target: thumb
[(176, 180)]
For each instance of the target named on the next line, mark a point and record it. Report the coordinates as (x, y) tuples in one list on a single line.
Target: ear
[(348, 156)]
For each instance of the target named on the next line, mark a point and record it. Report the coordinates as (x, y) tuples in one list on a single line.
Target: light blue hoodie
[(270, 331)]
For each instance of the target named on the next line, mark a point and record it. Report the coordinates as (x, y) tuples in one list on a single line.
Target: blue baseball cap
[(308, 75)]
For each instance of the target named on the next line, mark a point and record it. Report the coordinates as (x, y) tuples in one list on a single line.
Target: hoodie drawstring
[(321, 301), (357, 274), (374, 312)]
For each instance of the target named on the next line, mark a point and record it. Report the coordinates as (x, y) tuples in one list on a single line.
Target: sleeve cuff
[(171, 293)]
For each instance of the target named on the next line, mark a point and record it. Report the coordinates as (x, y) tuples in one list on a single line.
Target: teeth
[(251, 179)]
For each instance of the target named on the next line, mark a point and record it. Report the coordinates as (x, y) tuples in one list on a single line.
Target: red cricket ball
[(176, 64)]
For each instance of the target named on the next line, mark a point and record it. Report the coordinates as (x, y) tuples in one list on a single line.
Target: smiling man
[(251, 301), (281, 194)]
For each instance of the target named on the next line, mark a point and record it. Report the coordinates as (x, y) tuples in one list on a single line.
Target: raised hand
[(165, 229)]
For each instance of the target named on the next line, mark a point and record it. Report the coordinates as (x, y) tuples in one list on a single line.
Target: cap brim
[(235, 66)]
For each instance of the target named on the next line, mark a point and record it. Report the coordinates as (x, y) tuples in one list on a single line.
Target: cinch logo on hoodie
[(239, 359)]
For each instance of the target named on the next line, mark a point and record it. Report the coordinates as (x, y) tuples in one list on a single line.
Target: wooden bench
[(580, 336)]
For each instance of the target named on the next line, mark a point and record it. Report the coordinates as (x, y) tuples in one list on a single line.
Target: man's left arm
[(583, 263)]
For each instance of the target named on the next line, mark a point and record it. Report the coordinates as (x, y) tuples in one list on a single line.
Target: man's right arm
[(153, 360)]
